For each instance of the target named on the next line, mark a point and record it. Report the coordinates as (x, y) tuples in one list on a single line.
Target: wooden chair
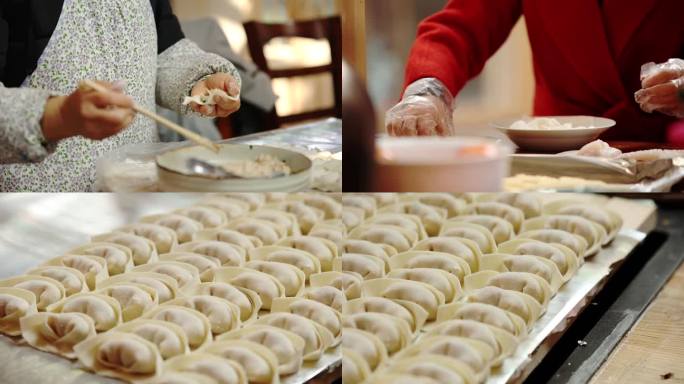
[(259, 34)]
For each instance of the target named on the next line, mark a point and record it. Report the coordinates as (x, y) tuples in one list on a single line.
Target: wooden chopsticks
[(190, 135)]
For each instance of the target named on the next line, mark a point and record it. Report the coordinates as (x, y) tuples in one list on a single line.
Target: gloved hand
[(662, 88), (425, 110)]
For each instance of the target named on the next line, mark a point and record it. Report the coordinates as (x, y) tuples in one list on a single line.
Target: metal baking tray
[(36, 227)]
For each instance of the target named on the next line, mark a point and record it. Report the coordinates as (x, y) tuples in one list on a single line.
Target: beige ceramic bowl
[(174, 176)]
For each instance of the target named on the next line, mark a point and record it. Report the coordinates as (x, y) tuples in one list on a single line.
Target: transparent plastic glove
[(662, 88), (425, 110)]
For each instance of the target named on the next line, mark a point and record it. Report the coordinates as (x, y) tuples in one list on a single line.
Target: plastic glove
[(425, 110), (662, 88)]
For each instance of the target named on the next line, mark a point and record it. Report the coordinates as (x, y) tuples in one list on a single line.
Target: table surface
[(655, 345)]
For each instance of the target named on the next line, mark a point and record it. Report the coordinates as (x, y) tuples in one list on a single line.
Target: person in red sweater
[(591, 57)]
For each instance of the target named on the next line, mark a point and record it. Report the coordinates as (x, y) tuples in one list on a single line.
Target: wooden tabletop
[(653, 350)]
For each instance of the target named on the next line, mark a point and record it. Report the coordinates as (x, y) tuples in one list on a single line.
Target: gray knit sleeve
[(178, 69), (21, 135)]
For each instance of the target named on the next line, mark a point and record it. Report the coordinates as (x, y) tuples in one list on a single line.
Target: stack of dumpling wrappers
[(442, 288), (235, 289)]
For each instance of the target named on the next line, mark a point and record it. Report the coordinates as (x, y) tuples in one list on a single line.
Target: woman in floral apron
[(53, 129)]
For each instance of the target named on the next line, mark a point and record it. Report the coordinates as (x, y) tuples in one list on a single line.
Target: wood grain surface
[(653, 350)]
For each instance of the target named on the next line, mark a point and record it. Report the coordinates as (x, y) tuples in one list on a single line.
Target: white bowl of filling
[(261, 169), (554, 133)]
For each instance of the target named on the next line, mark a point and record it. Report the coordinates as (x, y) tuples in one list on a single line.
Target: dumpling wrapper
[(501, 229), (413, 314), (422, 294), (72, 279), (259, 363), (265, 285), (394, 333), (204, 264), (143, 249), (185, 227), (169, 338), (317, 338), (283, 219), (305, 261), (366, 266), (564, 258), (524, 282), (441, 280), (163, 237), (556, 236), (323, 249), (268, 232), (289, 276), (484, 313), (48, 291), (536, 265), (399, 238), (223, 315), (119, 258), (104, 310), (165, 286), (57, 333), (507, 212), (94, 268), (515, 302), (592, 233), (229, 236), (15, 303), (227, 254), (347, 282), (366, 344), (247, 301), (196, 325), (134, 299), (320, 313), (463, 248), (355, 370), (403, 220), (440, 368), (474, 232), (208, 216), (223, 371), (184, 273), (326, 295), (447, 262), (286, 345)]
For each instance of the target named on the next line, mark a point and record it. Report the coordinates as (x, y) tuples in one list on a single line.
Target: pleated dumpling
[(556, 236), (92, 267), (223, 315), (246, 300), (399, 238), (104, 310), (286, 345), (524, 282), (394, 332), (501, 229), (305, 261), (484, 313), (507, 212), (565, 259), (431, 216), (253, 200), (195, 324), (324, 250), (474, 232), (57, 333), (231, 208), (204, 264), (265, 285), (259, 362), (422, 294), (441, 280), (165, 286), (266, 231), (502, 343), (536, 265), (529, 203), (72, 279), (134, 299), (352, 217), (366, 266), (365, 203), (119, 258), (307, 216), (439, 368), (387, 377), (184, 227), (365, 247), (221, 370), (329, 231), (473, 353), (326, 295), (355, 369), (331, 208), (229, 236), (403, 220), (122, 356), (230, 255), (174, 377), (413, 314), (143, 249), (347, 282), (46, 290), (366, 344), (515, 302), (15, 303), (460, 247), (448, 262), (163, 237), (286, 220), (592, 233), (184, 273), (320, 313), (383, 199), (608, 219), (289, 276), (454, 206), (317, 338), (169, 338), (209, 217)]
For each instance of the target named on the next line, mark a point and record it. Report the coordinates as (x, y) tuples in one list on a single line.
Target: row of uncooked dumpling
[(168, 300), (450, 308)]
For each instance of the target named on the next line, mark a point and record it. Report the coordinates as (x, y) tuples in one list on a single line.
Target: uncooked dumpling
[(462, 248), (229, 236), (223, 371), (92, 267), (15, 303), (208, 216), (266, 231), (366, 344), (196, 326), (163, 237), (165, 286), (47, 290), (259, 362), (509, 213), (231, 255), (72, 279), (291, 277), (330, 296), (184, 227), (119, 258), (135, 299), (143, 250), (57, 332), (265, 285), (324, 250), (223, 315), (394, 333), (184, 274), (104, 310), (247, 300), (169, 338)]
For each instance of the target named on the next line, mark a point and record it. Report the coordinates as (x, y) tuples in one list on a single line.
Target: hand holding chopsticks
[(161, 120)]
